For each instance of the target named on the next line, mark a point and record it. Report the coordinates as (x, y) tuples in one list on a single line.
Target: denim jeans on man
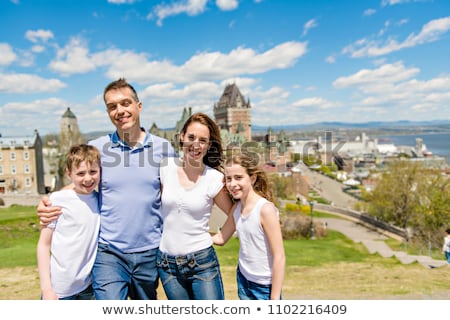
[(248, 290), (195, 276), (117, 275)]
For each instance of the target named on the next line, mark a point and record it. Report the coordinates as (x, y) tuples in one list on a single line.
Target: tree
[(412, 197), (434, 212)]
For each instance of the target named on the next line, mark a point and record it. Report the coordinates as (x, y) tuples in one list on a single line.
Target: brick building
[(21, 165), (233, 113)]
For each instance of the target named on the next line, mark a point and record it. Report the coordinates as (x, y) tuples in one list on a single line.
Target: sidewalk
[(374, 242)]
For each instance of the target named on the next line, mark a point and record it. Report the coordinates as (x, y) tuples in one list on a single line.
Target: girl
[(187, 263), (261, 263)]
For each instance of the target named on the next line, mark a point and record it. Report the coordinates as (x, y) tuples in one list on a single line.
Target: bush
[(2, 202), (299, 226)]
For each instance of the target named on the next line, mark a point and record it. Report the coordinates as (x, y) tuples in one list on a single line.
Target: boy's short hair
[(82, 152)]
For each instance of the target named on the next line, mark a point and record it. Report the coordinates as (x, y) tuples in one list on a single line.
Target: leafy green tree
[(412, 197), (434, 212)]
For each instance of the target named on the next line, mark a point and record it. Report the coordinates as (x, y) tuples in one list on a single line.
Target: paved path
[(374, 242), (333, 191)]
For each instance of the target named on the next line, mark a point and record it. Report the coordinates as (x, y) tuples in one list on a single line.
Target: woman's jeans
[(248, 290), (118, 276), (195, 276)]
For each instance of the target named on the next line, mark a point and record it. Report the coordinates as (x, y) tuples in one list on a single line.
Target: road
[(328, 188)]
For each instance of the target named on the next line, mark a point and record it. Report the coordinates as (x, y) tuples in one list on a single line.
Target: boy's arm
[(43, 259)]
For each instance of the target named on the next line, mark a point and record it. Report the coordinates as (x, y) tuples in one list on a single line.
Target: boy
[(67, 246)]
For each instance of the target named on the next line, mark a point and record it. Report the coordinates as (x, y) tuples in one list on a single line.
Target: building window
[(28, 182), (13, 169), (27, 168), (1, 156), (12, 156), (26, 155), (1, 170)]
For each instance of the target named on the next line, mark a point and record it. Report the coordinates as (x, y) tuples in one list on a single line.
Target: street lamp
[(311, 206)]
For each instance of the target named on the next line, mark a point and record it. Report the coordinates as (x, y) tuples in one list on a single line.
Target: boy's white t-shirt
[(74, 241)]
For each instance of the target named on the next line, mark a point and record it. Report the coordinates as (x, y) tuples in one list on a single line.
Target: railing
[(363, 218)]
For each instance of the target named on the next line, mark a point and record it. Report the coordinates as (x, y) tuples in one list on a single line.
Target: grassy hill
[(330, 268)]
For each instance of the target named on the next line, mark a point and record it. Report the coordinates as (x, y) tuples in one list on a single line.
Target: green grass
[(327, 268), (19, 233), (415, 249), (335, 248)]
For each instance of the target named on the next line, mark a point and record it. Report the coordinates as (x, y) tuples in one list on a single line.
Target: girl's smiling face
[(237, 180)]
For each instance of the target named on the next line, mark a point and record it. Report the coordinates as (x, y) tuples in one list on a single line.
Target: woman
[(187, 263)]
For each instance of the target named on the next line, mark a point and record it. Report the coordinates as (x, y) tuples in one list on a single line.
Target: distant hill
[(437, 125), (391, 127)]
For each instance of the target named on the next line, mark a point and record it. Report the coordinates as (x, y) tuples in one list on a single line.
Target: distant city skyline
[(299, 62)]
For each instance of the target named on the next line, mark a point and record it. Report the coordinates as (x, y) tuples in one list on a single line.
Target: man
[(131, 223)]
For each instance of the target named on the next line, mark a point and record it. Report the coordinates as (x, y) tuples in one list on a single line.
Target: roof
[(69, 114), (230, 95), (18, 142)]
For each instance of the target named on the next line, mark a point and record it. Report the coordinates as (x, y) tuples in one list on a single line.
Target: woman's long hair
[(214, 155)]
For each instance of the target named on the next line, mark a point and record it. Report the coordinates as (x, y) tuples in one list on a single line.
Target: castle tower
[(69, 131), (233, 113)]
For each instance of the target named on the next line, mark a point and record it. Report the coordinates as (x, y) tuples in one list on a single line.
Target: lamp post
[(311, 206)]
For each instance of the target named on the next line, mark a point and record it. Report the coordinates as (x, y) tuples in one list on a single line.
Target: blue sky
[(299, 62)]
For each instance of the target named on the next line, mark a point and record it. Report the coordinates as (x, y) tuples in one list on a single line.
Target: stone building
[(69, 131), (21, 165), (232, 113)]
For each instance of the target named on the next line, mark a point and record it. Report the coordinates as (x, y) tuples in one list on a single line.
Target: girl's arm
[(43, 259), (226, 231), (271, 226)]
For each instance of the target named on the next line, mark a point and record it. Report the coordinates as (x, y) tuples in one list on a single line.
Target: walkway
[(374, 242), (333, 191)]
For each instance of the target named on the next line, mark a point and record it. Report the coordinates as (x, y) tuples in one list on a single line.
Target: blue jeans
[(447, 256), (119, 276), (248, 290), (195, 276), (86, 294)]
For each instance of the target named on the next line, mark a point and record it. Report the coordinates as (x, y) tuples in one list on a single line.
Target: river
[(437, 143)]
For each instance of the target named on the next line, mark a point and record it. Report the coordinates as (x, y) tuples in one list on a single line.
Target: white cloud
[(38, 35), (227, 5), (394, 2), (73, 58), (7, 55), (369, 12), (28, 83), (205, 66), (367, 79), (308, 26), (121, 1), (313, 102), (392, 88), (189, 7), (432, 31), (330, 59)]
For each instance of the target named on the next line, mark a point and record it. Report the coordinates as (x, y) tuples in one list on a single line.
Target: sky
[(298, 62)]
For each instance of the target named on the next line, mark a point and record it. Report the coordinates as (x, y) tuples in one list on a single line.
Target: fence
[(363, 219)]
